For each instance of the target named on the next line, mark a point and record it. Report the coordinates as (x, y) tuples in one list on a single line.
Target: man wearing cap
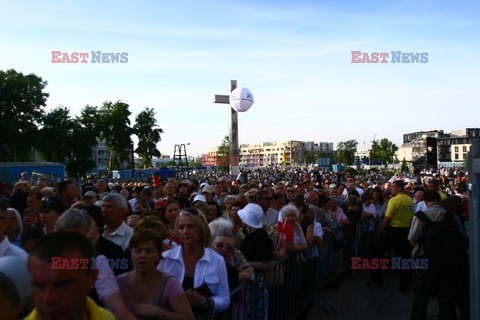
[(208, 193), (257, 246), (90, 198), (23, 177)]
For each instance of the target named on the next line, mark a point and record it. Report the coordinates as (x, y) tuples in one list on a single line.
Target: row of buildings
[(291, 152), (423, 148), (437, 147), (427, 148)]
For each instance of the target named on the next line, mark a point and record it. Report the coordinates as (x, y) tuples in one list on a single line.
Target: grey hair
[(125, 190), (289, 209), (333, 198), (230, 197), (19, 219), (73, 218), (118, 199), (103, 195), (220, 227)]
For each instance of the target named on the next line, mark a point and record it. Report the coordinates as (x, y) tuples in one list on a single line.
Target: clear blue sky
[(295, 56)]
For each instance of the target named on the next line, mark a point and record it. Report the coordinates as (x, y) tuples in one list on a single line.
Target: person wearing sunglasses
[(50, 210), (290, 192), (201, 271), (224, 244)]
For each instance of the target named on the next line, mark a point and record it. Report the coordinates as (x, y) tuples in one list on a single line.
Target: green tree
[(383, 150), (308, 157), (405, 166), (84, 139), (22, 103), (224, 151), (148, 134), (321, 154), (55, 136), (70, 141), (116, 132), (346, 151)]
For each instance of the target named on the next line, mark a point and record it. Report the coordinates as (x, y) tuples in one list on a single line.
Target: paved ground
[(353, 300)]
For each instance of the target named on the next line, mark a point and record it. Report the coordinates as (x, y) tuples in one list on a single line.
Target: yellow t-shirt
[(94, 312), (443, 196), (400, 211)]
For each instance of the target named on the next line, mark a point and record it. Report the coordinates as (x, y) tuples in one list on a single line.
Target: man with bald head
[(312, 197), (419, 205)]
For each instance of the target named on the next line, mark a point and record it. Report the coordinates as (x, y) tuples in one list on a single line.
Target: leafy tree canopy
[(148, 134), (346, 151), (22, 103), (383, 150)]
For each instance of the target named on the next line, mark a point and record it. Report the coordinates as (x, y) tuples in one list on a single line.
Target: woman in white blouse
[(200, 270)]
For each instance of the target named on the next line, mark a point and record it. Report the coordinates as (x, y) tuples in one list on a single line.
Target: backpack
[(443, 244)]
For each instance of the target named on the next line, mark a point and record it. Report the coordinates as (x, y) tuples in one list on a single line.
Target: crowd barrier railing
[(294, 283)]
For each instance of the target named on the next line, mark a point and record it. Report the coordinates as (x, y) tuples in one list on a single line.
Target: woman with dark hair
[(214, 211), (18, 200), (380, 205), (200, 270), (170, 214), (50, 210), (148, 292), (234, 218)]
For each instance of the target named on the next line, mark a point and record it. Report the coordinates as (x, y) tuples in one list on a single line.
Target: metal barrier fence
[(294, 283)]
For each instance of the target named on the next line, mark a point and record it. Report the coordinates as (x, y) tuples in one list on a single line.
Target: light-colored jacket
[(210, 270)]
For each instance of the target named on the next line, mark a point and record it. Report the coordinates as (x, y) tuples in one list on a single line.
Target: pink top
[(172, 290)]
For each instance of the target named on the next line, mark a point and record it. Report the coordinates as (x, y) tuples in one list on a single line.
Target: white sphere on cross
[(241, 99)]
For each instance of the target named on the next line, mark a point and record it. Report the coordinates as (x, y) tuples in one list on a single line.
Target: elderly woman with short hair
[(291, 214), (223, 242), (228, 204), (15, 228)]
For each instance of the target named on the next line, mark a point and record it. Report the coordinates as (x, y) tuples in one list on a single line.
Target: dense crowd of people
[(175, 249)]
